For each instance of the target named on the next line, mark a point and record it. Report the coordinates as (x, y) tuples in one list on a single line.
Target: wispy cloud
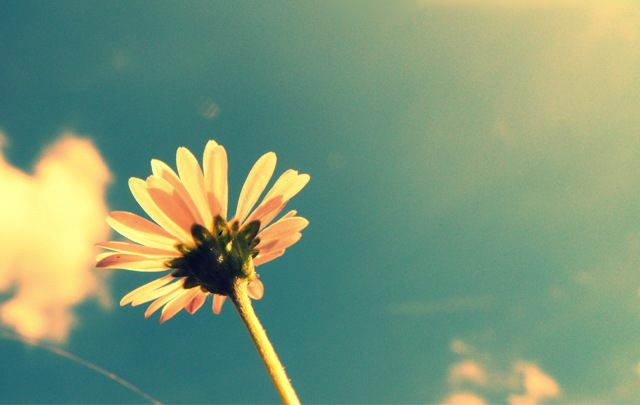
[(49, 222)]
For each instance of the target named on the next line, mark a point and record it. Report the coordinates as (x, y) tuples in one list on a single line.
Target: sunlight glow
[(536, 4)]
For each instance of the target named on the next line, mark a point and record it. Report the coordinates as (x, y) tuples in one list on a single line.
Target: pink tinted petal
[(153, 294), (266, 208), (155, 305), (293, 187), (193, 179), (268, 216), (282, 180), (288, 185), (278, 244), (125, 247), (162, 170), (170, 203), (215, 174), (262, 259), (140, 230), (144, 289), (256, 289), (211, 145), (255, 184), (131, 262), (140, 191), (103, 255), (218, 300), (284, 191), (196, 302), (176, 304), (283, 228), (289, 214)]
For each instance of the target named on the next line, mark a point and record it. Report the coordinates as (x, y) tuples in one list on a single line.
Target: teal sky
[(474, 201)]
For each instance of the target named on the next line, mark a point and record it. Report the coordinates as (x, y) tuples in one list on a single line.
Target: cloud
[(521, 382), (49, 222), (467, 371), (538, 386), (459, 347), (464, 398)]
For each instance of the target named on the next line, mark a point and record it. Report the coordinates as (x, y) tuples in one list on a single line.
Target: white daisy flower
[(193, 238)]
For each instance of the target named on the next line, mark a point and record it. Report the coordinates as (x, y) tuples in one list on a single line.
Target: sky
[(474, 203)]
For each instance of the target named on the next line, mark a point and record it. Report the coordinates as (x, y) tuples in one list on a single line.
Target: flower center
[(217, 259)]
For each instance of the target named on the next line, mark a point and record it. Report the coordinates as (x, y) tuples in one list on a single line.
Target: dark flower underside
[(215, 262)]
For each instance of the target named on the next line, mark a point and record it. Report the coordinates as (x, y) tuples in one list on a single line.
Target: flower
[(193, 238)]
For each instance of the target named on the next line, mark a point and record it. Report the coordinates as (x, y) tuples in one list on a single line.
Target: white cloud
[(49, 222), (463, 398), (478, 375), (467, 371), (538, 385)]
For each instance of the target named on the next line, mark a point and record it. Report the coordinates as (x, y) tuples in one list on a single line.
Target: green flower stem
[(242, 303)]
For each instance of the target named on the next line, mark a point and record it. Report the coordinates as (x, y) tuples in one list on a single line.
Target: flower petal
[(144, 289), (126, 247), (176, 304), (215, 175), (282, 229), (196, 302), (162, 170), (294, 186), (282, 180), (102, 255), (140, 191), (211, 145), (266, 209), (289, 214), (255, 184), (170, 203), (140, 230), (193, 179), (256, 289), (278, 244), (164, 299), (285, 192), (262, 259), (218, 300), (268, 216), (131, 262), (160, 292)]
